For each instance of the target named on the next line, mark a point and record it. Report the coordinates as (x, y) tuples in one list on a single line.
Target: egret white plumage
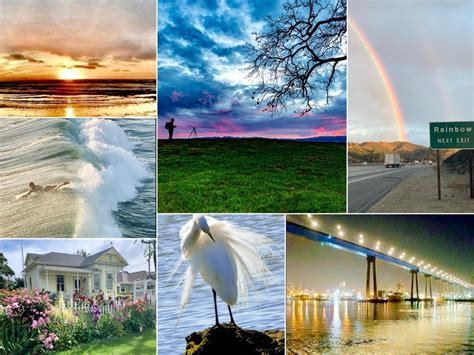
[(227, 257)]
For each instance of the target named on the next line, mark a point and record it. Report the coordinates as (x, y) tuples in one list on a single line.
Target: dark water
[(351, 327), (79, 98)]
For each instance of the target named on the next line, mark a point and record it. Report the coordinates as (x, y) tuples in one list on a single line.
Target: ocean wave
[(97, 157), (115, 180)]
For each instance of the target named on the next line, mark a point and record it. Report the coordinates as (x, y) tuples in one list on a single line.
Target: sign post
[(452, 135), (438, 163)]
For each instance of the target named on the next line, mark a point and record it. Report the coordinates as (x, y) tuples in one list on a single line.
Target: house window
[(110, 281), (110, 258), (77, 284), (31, 284), (96, 281), (60, 283)]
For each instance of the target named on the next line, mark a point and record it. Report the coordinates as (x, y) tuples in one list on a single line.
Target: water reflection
[(349, 326)]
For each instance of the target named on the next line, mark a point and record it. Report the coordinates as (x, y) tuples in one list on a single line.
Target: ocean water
[(263, 310), (349, 327), (80, 98), (108, 162)]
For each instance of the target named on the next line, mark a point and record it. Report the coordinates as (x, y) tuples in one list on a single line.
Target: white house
[(67, 273), (138, 284)]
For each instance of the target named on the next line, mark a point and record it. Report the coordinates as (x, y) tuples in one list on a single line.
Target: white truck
[(392, 161)]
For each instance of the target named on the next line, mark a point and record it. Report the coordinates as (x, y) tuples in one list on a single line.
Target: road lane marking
[(374, 176)]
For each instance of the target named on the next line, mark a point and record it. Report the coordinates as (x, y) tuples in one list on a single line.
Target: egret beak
[(210, 236)]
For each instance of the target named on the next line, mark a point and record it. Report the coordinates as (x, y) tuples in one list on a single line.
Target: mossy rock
[(231, 339)]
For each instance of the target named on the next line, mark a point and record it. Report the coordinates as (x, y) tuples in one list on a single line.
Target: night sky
[(203, 82), (447, 242)]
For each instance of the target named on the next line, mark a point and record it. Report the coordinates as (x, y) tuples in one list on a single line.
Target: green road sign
[(452, 135)]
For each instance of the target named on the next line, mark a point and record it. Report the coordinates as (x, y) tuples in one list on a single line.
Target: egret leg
[(231, 317), (215, 305)]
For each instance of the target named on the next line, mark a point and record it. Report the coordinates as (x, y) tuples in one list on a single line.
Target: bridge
[(447, 284)]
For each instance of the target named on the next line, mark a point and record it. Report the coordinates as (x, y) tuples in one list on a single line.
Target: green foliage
[(66, 334), (109, 327), (251, 175), (6, 273), (85, 329), (17, 338), (142, 343), (140, 320)]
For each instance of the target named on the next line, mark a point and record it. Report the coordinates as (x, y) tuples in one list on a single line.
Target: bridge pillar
[(414, 278), (371, 260), (417, 292), (428, 283), (431, 290)]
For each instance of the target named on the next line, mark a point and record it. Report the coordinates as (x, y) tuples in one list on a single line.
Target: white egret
[(227, 257)]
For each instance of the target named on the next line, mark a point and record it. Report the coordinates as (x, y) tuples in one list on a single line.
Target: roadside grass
[(144, 343), (251, 175)]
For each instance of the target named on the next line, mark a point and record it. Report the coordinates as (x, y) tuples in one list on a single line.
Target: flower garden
[(34, 322)]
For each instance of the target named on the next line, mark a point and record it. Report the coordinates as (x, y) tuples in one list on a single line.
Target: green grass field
[(130, 344), (251, 175)]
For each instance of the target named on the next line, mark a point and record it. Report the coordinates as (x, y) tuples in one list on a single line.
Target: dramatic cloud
[(428, 58), (22, 57), (203, 81), (83, 34)]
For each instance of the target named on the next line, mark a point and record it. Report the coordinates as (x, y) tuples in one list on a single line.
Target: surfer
[(38, 188)]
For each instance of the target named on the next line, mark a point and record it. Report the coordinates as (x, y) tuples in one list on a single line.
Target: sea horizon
[(78, 98)]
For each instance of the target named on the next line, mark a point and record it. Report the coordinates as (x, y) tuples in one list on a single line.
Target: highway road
[(368, 184)]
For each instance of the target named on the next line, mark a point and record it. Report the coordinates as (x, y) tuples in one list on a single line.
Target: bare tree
[(297, 58)]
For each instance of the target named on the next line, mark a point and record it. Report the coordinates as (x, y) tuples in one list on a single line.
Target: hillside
[(459, 162), (251, 175), (374, 152)]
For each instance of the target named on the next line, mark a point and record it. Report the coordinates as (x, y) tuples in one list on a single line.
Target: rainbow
[(392, 95)]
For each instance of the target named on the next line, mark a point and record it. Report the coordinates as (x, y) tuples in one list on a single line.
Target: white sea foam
[(114, 179)]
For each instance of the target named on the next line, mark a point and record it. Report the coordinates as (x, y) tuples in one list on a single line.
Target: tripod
[(193, 133)]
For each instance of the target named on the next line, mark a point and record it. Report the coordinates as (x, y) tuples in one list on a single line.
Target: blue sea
[(110, 166), (263, 310)]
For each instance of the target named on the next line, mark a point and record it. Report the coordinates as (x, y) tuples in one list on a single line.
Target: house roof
[(125, 276), (69, 260)]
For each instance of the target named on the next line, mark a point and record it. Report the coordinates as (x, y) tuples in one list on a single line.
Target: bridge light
[(341, 233), (338, 226), (429, 265), (308, 215), (314, 223)]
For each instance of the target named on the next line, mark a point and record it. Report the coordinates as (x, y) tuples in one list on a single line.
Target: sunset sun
[(69, 74)]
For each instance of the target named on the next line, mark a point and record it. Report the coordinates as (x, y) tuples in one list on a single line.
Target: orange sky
[(81, 39)]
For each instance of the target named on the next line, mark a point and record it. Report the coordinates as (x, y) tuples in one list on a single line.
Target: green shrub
[(84, 329), (66, 334), (140, 319), (109, 327), (17, 338), (132, 324), (149, 318)]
